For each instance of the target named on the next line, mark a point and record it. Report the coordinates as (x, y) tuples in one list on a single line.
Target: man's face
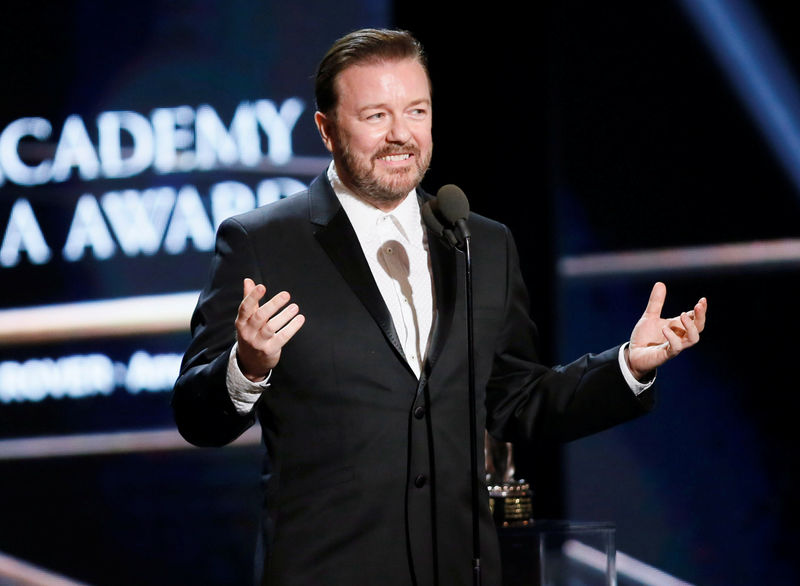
[(380, 133)]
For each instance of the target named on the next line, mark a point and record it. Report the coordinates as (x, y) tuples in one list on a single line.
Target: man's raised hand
[(262, 331), (655, 340)]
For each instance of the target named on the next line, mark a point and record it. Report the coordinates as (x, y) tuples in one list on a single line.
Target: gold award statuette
[(510, 500)]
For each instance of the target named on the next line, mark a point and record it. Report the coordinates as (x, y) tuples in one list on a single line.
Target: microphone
[(446, 215), (429, 212), (454, 208), (453, 204)]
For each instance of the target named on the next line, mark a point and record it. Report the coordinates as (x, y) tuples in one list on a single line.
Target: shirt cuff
[(637, 387), (243, 392)]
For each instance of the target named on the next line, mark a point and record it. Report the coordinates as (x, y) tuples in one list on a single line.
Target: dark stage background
[(622, 143)]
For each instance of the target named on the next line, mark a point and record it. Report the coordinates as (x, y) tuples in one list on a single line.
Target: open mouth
[(395, 158)]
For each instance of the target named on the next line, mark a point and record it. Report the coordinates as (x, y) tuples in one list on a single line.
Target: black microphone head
[(430, 219), (429, 212), (453, 204)]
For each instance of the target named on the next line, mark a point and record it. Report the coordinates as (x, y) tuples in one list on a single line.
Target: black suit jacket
[(370, 467)]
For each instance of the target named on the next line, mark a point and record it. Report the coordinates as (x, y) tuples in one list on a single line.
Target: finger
[(656, 302), (271, 307), (249, 285), (700, 314), (253, 290), (692, 336), (279, 339), (700, 306), (289, 330), (252, 295), (282, 318), (674, 344), (272, 340)]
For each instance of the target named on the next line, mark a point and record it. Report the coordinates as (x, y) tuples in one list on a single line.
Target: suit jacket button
[(420, 480), (419, 412)]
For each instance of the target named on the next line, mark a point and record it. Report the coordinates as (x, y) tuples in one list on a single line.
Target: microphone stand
[(473, 415), (460, 239)]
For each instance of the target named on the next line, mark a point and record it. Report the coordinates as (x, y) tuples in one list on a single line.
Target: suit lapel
[(336, 236)]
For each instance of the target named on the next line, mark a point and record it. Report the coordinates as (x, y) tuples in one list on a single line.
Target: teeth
[(396, 157)]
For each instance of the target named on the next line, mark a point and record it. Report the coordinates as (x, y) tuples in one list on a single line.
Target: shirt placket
[(404, 309)]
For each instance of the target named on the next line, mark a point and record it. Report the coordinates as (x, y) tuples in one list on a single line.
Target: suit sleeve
[(203, 410), (526, 400)]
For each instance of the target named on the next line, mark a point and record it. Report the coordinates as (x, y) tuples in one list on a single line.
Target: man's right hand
[(262, 331)]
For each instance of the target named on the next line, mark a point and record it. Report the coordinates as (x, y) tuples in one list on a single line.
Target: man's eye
[(376, 116)]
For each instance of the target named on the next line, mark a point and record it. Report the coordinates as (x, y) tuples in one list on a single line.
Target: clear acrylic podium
[(559, 553)]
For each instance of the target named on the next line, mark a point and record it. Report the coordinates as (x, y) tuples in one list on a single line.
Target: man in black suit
[(362, 398)]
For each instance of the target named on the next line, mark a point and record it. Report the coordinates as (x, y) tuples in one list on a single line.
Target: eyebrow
[(379, 105)]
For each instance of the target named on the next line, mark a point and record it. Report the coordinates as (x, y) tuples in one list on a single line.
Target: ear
[(325, 127)]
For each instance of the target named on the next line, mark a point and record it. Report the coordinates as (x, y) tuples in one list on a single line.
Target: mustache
[(389, 150)]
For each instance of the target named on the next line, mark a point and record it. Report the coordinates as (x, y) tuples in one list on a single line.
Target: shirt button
[(419, 412), (420, 480)]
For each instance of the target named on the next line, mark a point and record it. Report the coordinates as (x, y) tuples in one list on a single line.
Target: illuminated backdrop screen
[(113, 180), (128, 132)]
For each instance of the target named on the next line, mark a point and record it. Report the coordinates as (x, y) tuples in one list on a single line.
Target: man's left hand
[(655, 340)]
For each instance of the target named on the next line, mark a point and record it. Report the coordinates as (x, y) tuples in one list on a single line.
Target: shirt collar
[(364, 216)]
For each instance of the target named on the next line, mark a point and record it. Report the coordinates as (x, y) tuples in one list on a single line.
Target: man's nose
[(399, 131)]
